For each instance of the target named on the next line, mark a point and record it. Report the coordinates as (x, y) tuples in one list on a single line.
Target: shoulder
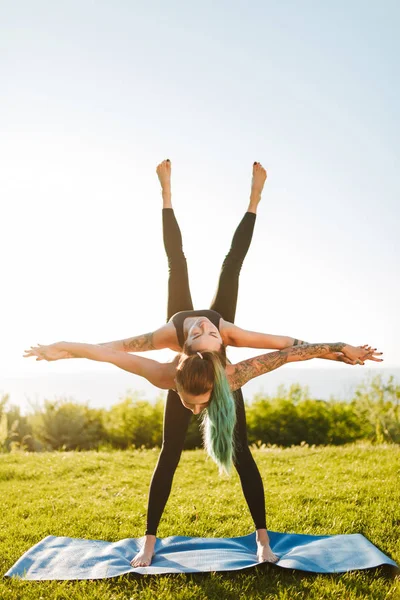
[(169, 373), (233, 375), (165, 337), (227, 331)]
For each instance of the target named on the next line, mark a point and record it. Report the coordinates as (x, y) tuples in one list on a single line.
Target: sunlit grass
[(101, 495)]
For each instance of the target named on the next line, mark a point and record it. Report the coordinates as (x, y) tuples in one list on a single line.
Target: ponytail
[(198, 374), (219, 421)]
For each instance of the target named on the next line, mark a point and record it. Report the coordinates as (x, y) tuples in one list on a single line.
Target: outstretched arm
[(242, 372), (236, 336), (159, 374), (154, 340), (252, 339)]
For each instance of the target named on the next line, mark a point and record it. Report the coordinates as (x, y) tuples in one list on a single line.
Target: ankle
[(254, 202), (262, 536), (167, 199), (252, 207), (150, 540)]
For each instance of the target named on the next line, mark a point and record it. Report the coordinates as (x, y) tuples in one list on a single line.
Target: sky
[(95, 94)]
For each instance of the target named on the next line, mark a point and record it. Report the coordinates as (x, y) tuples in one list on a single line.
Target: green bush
[(65, 425), (134, 423), (376, 405), (15, 430), (288, 418), (291, 417)]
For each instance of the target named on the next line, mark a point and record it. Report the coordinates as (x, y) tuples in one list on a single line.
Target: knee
[(232, 264), (244, 460), (169, 455), (177, 262)]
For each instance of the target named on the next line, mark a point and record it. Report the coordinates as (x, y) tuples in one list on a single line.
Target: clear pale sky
[(95, 94)]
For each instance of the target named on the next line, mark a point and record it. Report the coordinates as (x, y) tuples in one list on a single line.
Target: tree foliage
[(288, 418)]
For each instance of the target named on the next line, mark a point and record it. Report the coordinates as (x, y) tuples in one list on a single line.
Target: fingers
[(33, 351), (350, 361), (29, 353), (370, 353)]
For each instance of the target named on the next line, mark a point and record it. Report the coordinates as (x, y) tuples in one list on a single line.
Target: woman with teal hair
[(199, 377)]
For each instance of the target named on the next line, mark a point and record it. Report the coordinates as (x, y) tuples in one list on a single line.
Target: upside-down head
[(203, 336)]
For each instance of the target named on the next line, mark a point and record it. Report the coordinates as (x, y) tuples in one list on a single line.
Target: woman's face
[(203, 336), (195, 403)]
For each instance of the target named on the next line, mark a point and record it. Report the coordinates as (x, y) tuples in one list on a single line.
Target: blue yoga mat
[(73, 558)]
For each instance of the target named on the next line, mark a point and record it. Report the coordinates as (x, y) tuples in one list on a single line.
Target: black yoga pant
[(176, 416)]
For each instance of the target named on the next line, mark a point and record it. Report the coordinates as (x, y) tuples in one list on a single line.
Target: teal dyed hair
[(197, 374), (219, 419)]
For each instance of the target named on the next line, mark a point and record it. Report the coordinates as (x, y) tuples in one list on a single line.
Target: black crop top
[(179, 317)]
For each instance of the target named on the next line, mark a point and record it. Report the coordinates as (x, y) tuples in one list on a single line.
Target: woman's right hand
[(358, 354), (49, 353)]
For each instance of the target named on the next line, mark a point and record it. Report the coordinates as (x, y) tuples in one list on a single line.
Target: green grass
[(103, 495)]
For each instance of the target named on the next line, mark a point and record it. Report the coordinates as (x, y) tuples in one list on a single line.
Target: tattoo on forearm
[(306, 351), (140, 342), (259, 365), (256, 366)]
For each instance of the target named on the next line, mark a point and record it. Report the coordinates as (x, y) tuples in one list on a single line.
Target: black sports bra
[(179, 317)]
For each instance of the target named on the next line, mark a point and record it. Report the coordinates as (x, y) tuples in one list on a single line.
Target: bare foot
[(144, 556), (257, 185), (164, 175), (265, 554)]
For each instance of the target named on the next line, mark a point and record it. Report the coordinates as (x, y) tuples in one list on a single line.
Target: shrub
[(134, 423), (65, 425)]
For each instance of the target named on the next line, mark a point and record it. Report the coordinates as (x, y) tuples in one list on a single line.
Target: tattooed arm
[(154, 340), (159, 374), (236, 336), (139, 343), (242, 372), (161, 338)]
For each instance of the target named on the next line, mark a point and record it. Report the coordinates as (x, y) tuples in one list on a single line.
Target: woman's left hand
[(50, 352)]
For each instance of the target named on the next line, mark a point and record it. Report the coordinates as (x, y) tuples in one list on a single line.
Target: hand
[(50, 352), (359, 354), (340, 357)]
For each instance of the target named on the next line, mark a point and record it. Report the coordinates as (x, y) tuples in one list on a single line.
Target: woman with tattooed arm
[(196, 373)]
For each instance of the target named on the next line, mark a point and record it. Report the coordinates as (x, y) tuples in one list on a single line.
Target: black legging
[(176, 416)]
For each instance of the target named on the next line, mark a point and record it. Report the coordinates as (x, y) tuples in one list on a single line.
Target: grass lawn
[(103, 495)]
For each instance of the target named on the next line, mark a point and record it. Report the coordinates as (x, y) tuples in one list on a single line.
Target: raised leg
[(225, 298), (179, 297)]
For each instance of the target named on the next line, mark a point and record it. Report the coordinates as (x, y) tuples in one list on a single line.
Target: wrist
[(338, 347), (333, 356), (111, 345), (62, 345)]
